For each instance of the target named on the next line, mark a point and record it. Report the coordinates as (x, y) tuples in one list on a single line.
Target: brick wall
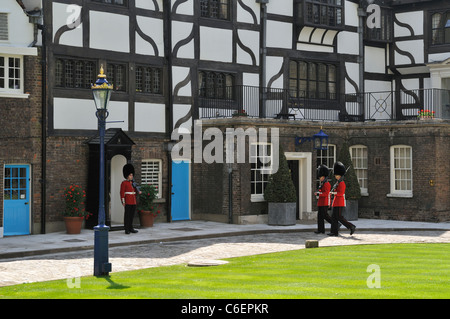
[(20, 132), (431, 168)]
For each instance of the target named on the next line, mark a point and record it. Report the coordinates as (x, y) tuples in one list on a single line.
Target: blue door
[(16, 200), (180, 191)]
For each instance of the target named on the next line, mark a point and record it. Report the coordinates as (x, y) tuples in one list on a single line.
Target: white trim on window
[(151, 173), (358, 154), (13, 73), (260, 170), (401, 174)]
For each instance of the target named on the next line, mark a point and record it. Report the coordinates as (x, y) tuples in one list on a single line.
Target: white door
[(116, 207)]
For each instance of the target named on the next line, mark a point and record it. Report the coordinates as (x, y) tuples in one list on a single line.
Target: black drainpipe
[(169, 102), (44, 128)]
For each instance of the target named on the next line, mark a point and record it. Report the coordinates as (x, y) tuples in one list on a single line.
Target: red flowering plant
[(146, 197), (426, 114), (74, 199), (239, 113)]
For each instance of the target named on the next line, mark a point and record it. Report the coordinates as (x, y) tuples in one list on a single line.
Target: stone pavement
[(59, 255)]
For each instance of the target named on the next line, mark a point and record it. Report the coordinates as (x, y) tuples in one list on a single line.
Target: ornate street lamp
[(320, 141), (101, 90)]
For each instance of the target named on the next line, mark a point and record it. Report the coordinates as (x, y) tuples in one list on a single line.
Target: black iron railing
[(253, 101)]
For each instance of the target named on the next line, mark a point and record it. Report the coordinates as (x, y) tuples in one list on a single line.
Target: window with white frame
[(151, 173), (326, 157), (401, 170), (11, 74), (261, 167), (358, 154)]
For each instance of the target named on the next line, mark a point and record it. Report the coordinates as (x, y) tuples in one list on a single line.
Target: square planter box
[(351, 210), (282, 214)]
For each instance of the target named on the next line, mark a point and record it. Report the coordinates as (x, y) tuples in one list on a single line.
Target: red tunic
[(339, 198), (324, 195), (127, 193)]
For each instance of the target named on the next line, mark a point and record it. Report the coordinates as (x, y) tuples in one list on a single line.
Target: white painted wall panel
[(180, 31), (279, 34), (285, 8), (154, 29), (74, 114), (415, 47), (180, 111), (274, 65), (109, 31), (77, 114), (353, 73), (150, 118), (374, 60), (249, 39), (348, 43), (62, 14), (216, 44), (413, 19), (186, 7), (244, 15), (351, 14), (179, 75)]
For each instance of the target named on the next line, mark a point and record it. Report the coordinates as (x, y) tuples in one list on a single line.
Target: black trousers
[(336, 218), (322, 216), (128, 216)]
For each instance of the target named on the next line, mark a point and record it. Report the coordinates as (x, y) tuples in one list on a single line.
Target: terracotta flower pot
[(146, 218), (73, 224)]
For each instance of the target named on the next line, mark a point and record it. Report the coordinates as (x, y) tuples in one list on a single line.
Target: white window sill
[(14, 95), (400, 195), (257, 198)]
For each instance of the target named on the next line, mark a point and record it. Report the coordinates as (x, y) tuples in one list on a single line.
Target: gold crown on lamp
[(101, 82)]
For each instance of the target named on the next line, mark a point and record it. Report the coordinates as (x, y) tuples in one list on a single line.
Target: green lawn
[(405, 271)]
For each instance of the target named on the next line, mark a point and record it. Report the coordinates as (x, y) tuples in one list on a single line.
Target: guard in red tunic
[(128, 192), (338, 204), (323, 201)]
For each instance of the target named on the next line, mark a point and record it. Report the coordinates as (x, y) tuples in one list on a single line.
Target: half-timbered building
[(374, 74)]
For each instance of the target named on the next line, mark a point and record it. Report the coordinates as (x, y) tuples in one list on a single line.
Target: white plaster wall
[(154, 29), (250, 39), (351, 14), (20, 30), (244, 15), (78, 114), (216, 44), (374, 60), (348, 43), (415, 47), (150, 118), (179, 74), (413, 19), (109, 31), (279, 34), (281, 7), (186, 7), (180, 31), (62, 14)]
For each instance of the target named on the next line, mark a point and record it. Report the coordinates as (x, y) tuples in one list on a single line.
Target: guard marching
[(323, 202), (338, 204)]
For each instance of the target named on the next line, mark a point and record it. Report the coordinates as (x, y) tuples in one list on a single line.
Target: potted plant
[(146, 209), (352, 188), (239, 113), (74, 213), (281, 195)]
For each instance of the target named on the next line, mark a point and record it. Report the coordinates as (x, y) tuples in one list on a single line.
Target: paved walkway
[(59, 255)]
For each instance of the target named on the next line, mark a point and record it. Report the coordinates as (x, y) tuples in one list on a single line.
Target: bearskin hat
[(322, 170), (127, 170), (339, 169)]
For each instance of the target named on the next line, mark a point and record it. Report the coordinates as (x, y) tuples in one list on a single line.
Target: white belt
[(130, 193)]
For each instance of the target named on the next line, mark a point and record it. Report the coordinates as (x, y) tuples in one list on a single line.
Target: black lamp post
[(102, 93)]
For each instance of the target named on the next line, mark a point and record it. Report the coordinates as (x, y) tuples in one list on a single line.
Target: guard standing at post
[(323, 202), (128, 198), (338, 204)]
